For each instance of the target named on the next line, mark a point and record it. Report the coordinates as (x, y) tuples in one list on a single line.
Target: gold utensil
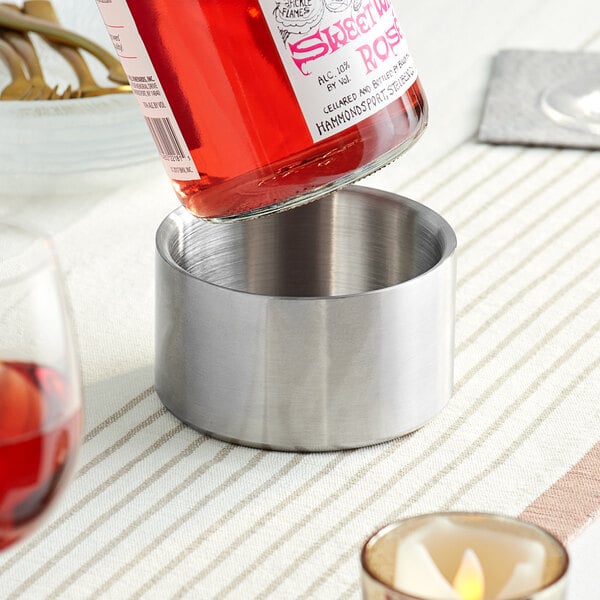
[(43, 9), (21, 42), (13, 20), (20, 88), (70, 93)]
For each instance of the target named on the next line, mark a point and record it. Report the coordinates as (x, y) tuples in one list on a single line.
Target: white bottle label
[(145, 85), (345, 59)]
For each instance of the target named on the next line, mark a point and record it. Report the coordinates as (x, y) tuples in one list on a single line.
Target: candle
[(513, 564), (463, 556)]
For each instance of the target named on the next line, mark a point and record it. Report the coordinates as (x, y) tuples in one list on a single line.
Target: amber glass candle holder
[(463, 556)]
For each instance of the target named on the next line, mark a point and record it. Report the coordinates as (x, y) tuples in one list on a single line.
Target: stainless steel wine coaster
[(325, 327)]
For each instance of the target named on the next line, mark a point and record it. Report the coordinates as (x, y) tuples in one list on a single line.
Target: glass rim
[(385, 529)]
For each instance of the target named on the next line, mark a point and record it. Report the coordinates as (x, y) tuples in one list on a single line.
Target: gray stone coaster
[(512, 112)]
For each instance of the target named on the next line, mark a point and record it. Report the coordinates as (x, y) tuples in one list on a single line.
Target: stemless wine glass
[(40, 386)]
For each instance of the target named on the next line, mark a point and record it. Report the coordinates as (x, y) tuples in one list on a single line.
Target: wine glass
[(40, 386), (574, 103)]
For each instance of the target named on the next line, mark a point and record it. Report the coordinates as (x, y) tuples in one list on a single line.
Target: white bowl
[(56, 147)]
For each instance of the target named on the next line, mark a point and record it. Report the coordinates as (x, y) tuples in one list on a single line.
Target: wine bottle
[(261, 105)]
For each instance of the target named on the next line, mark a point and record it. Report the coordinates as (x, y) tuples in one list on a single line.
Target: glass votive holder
[(463, 556)]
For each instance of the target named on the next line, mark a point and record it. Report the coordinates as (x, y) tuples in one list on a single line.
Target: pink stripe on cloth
[(572, 501)]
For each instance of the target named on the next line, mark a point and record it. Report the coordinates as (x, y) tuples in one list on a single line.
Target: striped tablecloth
[(160, 511)]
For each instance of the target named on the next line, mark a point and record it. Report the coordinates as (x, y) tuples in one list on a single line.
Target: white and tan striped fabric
[(160, 511)]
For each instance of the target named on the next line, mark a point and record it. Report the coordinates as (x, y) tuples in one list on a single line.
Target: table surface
[(159, 511)]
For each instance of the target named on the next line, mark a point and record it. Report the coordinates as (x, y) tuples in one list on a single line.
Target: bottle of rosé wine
[(261, 105)]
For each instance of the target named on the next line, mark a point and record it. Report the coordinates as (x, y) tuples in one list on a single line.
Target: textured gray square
[(512, 113)]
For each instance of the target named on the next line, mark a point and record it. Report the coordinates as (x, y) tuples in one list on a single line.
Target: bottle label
[(345, 59), (147, 89)]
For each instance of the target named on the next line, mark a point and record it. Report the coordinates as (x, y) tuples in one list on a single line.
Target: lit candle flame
[(469, 581)]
